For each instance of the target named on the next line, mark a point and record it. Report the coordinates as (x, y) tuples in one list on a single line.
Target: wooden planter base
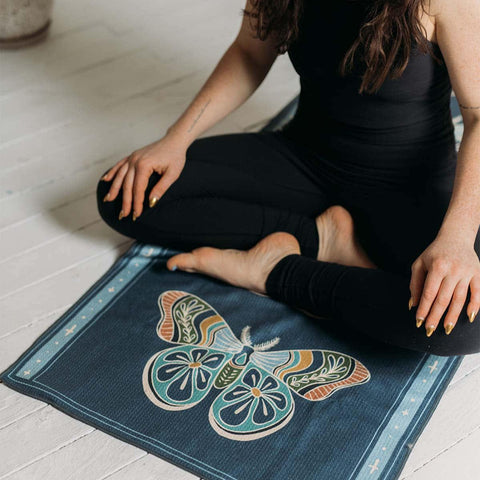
[(26, 40)]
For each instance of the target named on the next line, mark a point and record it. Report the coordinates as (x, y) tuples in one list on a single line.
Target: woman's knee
[(107, 210), (457, 349), (463, 340), (401, 328), (143, 229)]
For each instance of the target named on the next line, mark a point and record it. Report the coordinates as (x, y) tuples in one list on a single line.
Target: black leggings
[(237, 188)]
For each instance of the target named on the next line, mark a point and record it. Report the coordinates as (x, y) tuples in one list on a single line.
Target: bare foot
[(337, 241), (242, 268)]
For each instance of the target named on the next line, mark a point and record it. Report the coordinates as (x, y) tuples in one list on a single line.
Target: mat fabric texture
[(229, 384)]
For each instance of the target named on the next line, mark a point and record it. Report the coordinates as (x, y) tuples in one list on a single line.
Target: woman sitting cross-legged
[(359, 211)]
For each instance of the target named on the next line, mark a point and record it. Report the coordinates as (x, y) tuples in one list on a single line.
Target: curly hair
[(384, 42)]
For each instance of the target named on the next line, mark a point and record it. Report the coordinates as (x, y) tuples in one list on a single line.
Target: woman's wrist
[(463, 232), (179, 138), (176, 135)]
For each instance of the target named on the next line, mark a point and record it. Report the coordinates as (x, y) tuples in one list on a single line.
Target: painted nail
[(173, 268), (134, 217), (121, 215), (448, 328), (410, 303), (430, 330), (153, 201), (106, 197), (472, 317), (420, 322)]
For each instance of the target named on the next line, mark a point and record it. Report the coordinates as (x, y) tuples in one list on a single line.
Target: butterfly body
[(233, 368)]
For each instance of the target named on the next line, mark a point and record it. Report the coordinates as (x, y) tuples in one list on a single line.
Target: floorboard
[(112, 77)]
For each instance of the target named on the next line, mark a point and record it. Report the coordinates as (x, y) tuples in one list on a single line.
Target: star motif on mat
[(374, 466), (412, 399), (384, 448), (424, 380), (433, 366), (111, 289), (56, 343), (136, 264), (26, 372), (83, 317), (68, 331), (405, 412), (396, 427), (120, 279), (38, 360)]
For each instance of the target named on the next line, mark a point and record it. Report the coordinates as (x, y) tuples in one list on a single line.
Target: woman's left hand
[(441, 276)]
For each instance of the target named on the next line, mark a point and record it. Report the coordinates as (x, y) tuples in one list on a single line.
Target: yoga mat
[(229, 384)]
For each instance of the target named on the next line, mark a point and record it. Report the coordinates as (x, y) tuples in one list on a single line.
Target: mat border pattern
[(144, 256)]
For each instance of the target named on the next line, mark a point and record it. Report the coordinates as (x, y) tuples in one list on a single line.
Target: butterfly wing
[(178, 378), (187, 319), (313, 374), (256, 404)]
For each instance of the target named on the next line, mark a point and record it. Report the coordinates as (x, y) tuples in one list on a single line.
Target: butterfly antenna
[(245, 336), (261, 347)]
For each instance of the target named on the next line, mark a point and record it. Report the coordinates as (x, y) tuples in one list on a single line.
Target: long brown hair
[(385, 37)]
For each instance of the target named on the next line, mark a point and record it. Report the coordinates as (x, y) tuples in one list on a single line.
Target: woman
[(357, 210)]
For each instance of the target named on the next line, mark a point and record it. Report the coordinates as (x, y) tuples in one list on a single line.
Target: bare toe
[(188, 261), (244, 268)]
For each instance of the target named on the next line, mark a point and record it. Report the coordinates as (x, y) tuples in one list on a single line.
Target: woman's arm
[(463, 214), (444, 272), (237, 75), (458, 34)]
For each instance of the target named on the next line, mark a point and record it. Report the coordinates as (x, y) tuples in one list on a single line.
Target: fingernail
[(420, 322), (448, 328), (472, 317), (410, 303), (106, 197), (121, 215), (153, 201), (430, 330), (134, 217), (104, 178), (173, 268)]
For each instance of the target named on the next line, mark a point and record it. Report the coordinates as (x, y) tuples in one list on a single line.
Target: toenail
[(173, 268)]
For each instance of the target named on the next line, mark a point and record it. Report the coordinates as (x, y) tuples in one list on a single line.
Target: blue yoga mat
[(229, 384)]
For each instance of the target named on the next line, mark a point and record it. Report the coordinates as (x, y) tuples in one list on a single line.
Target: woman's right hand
[(165, 156)]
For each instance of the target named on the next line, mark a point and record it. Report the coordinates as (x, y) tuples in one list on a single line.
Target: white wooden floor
[(111, 78)]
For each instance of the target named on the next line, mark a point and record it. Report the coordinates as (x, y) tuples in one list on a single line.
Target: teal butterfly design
[(255, 385)]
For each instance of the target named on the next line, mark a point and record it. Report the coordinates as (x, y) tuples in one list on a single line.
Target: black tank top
[(407, 122)]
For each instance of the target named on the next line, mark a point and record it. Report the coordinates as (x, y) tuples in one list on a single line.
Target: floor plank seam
[(35, 321), (108, 475), (51, 240), (31, 412), (46, 454), (66, 269), (442, 452)]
